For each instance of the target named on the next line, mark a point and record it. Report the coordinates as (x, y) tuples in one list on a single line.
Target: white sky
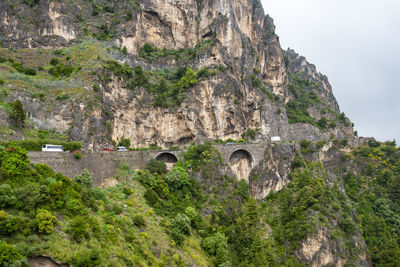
[(356, 43)]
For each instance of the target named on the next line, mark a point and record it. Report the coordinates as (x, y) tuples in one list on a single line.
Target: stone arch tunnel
[(169, 158), (242, 158), (241, 163)]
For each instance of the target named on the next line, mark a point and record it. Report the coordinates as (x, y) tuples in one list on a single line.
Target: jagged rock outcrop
[(251, 93)]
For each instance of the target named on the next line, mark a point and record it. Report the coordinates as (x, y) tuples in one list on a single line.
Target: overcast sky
[(356, 43)]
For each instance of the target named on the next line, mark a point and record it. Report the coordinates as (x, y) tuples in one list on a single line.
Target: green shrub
[(146, 51), (181, 222), (126, 142), (84, 179), (177, 236), (14, 163), (124, 50), (345, 142), (221, 258), (78, 228), (177, 178), (61, 70), (45, 221), (96, 88), (255, 82), (7, 196), (84, 257), (151, 197), (200, 155), (118, 69), (13, 224), (114, 208), (347, 225), (322, 123), (72, 146), (74, 206), (8, 254), (63, 97), (78, 155), (206, 72), (342, 118), (243, 189), (20, 68), (139, 221), (17, 114), (54, 61), (180, 228), (31, 3), (250, 133), (212, 243), (157, 166), (373, 143), (305, 144), (146, 178), (1, 82)]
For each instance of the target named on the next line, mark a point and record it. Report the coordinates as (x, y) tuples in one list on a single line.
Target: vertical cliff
[(242, 79)]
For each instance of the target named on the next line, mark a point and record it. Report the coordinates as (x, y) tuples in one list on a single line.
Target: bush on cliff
[(156, 166)]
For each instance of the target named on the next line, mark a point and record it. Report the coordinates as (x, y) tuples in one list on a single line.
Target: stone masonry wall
[(102, 165)]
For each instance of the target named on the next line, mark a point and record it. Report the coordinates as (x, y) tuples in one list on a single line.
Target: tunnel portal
[(241, 162), (169, 159)]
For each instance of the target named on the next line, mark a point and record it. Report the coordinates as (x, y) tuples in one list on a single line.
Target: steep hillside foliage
[(46, 213), (374, 193), (169, 218)]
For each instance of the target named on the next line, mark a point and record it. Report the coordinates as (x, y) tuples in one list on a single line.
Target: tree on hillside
[(17, 113)]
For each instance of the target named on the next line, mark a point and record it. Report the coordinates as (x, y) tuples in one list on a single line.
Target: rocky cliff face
[(169, 73), (251, 92)]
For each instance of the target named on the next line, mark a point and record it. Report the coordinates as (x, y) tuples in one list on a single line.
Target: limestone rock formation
[(169, 73), (250, 89)]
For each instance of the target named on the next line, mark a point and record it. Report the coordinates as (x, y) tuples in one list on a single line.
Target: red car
[(107, 149)]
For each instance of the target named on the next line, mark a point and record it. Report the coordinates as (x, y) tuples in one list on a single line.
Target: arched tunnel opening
[(169, 159), (241, 162)]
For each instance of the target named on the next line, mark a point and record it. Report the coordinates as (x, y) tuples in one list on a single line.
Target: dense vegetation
[(374, 193), (160, 217), (304, 97)]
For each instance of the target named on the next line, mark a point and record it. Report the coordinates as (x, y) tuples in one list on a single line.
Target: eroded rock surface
[(223, 106)]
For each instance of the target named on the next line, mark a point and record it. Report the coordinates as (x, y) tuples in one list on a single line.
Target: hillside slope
[(343, 211)]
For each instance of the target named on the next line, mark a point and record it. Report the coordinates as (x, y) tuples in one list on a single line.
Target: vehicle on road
[(121, 148), (107, 149), (52, 148), (229, 144), (275, 139)]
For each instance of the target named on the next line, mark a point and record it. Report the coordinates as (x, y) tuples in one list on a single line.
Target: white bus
[(52, 148)]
